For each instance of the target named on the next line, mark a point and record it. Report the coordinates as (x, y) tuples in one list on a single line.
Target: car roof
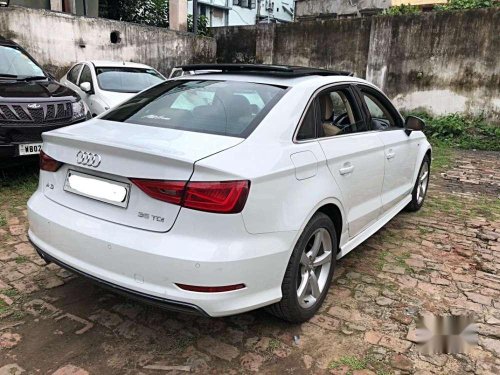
[(117, 64), (276, 80), (280, 75)]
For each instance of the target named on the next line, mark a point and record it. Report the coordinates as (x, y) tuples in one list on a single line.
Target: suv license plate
[(98, 188), (30, 149)]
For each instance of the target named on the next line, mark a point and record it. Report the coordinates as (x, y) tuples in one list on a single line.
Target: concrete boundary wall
[(57, 40), (441, 62)]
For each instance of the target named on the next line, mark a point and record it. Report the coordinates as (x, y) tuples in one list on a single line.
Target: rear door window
[(217, 107)]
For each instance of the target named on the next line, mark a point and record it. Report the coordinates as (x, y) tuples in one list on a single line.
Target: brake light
[(167, 191), (226, 197), (48, 164)]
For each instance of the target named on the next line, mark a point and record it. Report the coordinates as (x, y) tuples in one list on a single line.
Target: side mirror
[(414, 123), (86, 87)]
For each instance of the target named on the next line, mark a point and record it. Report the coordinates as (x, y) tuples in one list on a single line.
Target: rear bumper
[(147, 265), (160, 302)]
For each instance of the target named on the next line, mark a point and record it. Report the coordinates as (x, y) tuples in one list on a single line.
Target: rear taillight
[(167, 191), (48, 164), (226, 197)]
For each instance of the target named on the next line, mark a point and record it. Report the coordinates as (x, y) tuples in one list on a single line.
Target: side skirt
[(368, 232)]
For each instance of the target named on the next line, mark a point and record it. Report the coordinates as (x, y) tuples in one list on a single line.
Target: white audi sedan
[(104, 84), (225, 192)]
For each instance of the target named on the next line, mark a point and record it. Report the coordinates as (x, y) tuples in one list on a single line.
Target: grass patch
[(9, 292), (442, 156), (3, 220), (3, 307), (381, 259), (274, 344), (400, 260), (17, 185), (465, 132), (21, 259), (352, 362), (479, 206)]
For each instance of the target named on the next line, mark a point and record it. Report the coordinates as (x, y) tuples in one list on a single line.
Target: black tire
[(415, 203), (289, 308)]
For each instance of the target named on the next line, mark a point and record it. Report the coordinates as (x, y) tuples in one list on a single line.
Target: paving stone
[(11, 369), (440, 281), (70, 370), (25, 286), (395, 344), (401, 362), (106, 318), (27, 268), (8, 340), (16, 230), (25, 249), (384, 301), (326, 322), (490, 344), (391, 268), (52, 282), (251, 362), (479, 298), (373, 337), (218, 349)]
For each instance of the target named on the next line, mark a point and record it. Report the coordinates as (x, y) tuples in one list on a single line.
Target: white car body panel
[(101, 100), (289, 182)]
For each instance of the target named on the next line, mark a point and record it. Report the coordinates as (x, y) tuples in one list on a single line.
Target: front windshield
[(124, 79), (215, 107), (13, 62)]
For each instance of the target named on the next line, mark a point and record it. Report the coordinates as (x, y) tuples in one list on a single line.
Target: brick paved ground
[(445, 259)]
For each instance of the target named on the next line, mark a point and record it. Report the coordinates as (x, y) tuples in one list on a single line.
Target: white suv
[(225, 192)]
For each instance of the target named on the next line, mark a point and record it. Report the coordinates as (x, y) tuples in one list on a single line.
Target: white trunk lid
[(127, 151)]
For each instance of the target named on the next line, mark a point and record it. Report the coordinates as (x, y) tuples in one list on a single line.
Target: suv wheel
[(309, 272), (421, 185)]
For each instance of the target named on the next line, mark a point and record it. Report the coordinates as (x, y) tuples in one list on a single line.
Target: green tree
[(466, 4), (147, 12), (401, 9)]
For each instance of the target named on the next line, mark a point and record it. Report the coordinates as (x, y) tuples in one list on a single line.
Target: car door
[(400, 148), (88, 97), (355, 156), (72, 78)]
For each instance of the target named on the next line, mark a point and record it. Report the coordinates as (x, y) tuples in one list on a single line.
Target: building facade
[(88, 8), (307, 9), (244, 12)]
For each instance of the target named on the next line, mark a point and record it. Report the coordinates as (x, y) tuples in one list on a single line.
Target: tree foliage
[(466, 4), (146, 12), (203, 28), (401, 9)]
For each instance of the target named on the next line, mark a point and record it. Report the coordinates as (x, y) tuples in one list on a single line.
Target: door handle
[(346, 170), (390, 155)]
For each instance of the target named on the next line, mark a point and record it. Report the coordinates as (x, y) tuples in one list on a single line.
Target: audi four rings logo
[(88, 159)]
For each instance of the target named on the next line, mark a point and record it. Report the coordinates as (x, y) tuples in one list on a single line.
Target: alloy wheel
[(315, 264), (422, 182)]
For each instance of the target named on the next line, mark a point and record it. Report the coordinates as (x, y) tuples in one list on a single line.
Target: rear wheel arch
[(335, 214)]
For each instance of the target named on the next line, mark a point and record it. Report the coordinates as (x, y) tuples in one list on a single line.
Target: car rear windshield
[(129, 80), (217, 107)]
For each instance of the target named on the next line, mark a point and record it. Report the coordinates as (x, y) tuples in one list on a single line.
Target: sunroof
[(265, 69)]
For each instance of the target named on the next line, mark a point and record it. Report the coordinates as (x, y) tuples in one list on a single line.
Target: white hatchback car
[(105, 84), (225, 192)]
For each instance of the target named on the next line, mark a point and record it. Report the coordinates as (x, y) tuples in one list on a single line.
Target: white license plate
[(30, 148), (98, 188)]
